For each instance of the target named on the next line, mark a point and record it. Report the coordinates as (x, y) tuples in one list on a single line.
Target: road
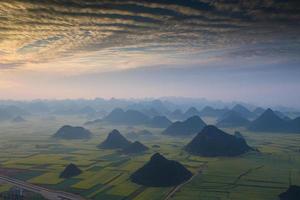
[(177, 188), (47, 193)]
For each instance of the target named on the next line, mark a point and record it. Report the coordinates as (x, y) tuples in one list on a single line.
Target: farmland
[(28, 152)]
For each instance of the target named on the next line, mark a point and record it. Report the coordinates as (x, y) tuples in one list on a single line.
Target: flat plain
[(28, 152)]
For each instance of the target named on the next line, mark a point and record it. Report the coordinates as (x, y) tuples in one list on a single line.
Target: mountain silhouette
[(18, 119), (192, 111), (151, 112), (243, 111), (129, 117), (159, 122), (238, 135), (71, 132), (151, 108), (211, 112), (211, 142), (87, 110), (293, 193), (281, 115), (70, 171), (135, 147), (258, 111), (114, 140), (188, 127), (268, 122), (161, 172), (294, 125), (233, 119), (11, 112), (177, 114)]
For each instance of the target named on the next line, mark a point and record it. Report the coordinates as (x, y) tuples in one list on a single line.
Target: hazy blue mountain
[(135, 147), (160, 105), (87, 110), (190, 126), (176, 114), (75, 110), (11, 111), (192, 111), (232, 119), (243, 111), (70, 171), (38, 107), (159, 122), (71, 132), (155, 106), (294, 125), (212, 112), (129, 117), (5, 115), (18, 119), (281, 115), (151, 112), (212, 142), (258, 111), (238, 135), (161, 172), (132, 117), (114, 140), (268, 122)]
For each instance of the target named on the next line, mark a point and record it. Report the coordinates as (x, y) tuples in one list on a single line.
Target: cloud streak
[(33, 31)]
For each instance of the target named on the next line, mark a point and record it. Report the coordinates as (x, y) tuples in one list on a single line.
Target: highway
[(47, 193)]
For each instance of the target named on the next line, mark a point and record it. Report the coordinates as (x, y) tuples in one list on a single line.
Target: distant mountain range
[(18, 119), (159, 122), (188, 127), (129, 117), (132, 117), (243, 111), (232, 119), (150, 107), (269, 121), (213, 112), (11, 112), (176, 114), (192, 111)]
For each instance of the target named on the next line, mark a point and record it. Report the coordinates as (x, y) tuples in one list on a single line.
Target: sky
[(231, 50)]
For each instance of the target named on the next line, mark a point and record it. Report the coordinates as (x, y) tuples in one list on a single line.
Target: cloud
[(34, 31)]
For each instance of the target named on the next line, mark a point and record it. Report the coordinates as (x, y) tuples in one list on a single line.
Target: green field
[(28, 147)]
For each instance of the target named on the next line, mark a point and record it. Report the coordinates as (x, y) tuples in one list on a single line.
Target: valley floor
[(28, 153)]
